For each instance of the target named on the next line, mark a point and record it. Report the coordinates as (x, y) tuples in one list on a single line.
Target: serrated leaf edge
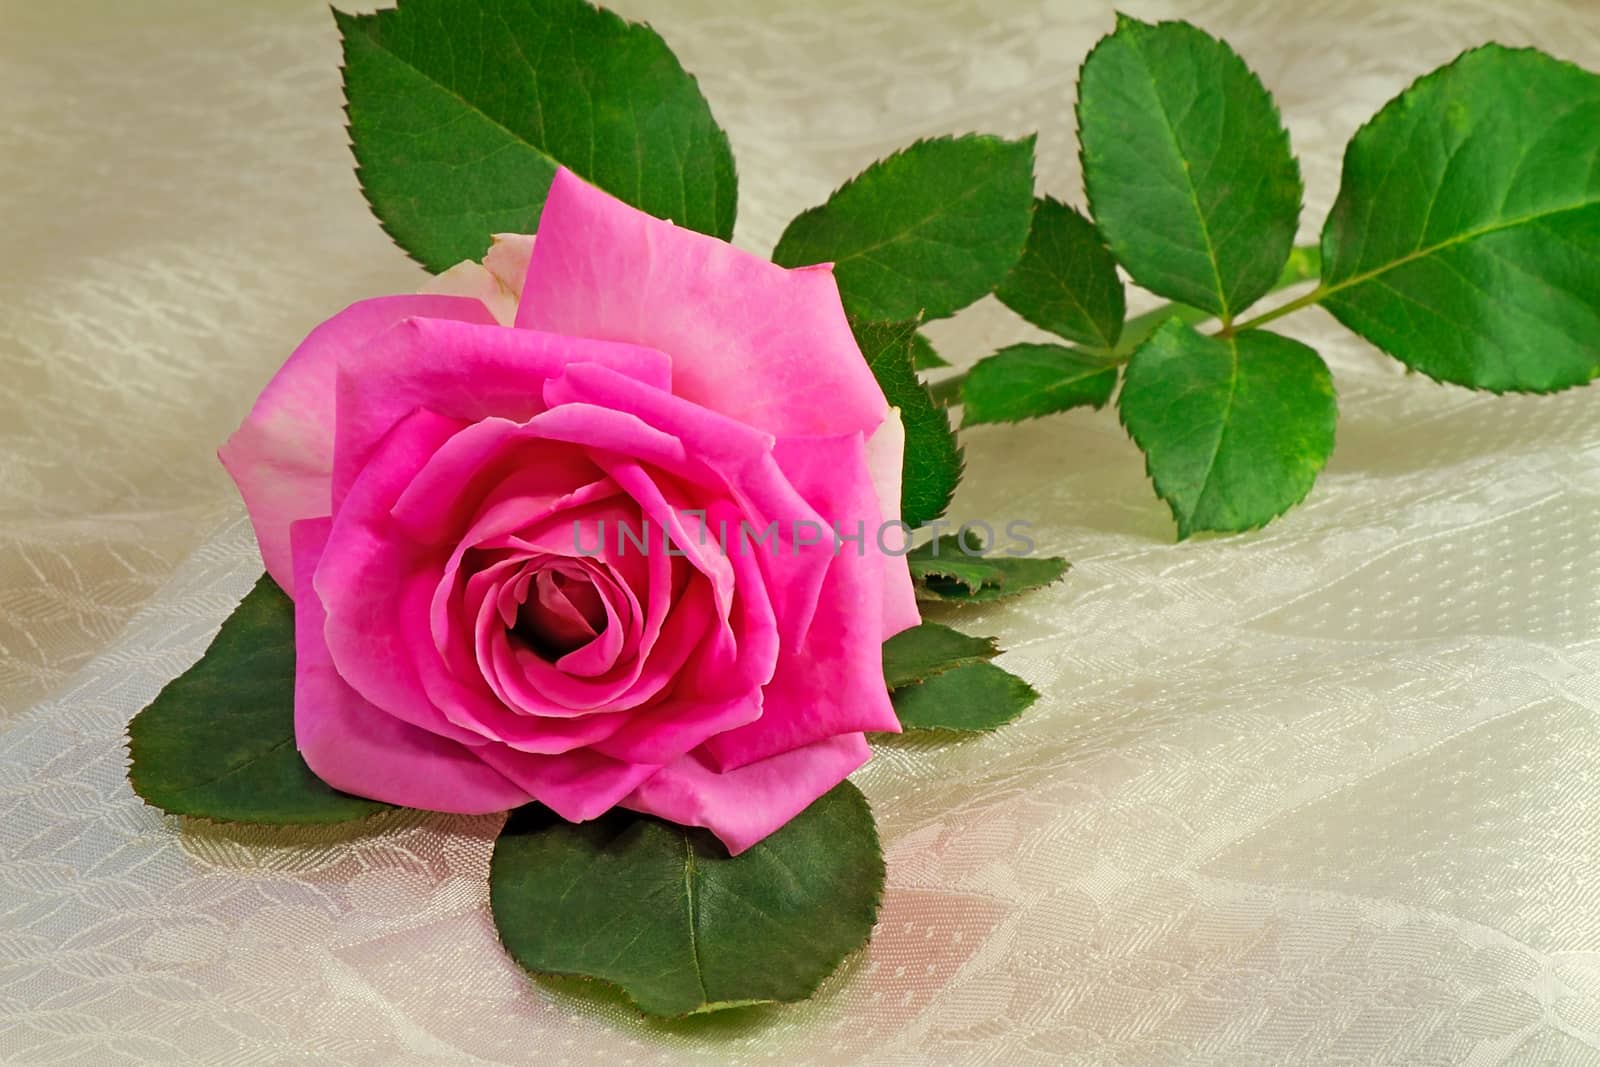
[(343, 19), (1186, 527), (1030, 141), (1126, 21)]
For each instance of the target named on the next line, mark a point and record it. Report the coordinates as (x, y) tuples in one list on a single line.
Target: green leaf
[(1465, 241), (923, 651), (666, 914), (1027, 381), (923, 356), (923, 233), (218, 741), (974, 698), (943, 572), (1234, 430), (1066, 281), (461, 110), (1187, 165), (932, 465)]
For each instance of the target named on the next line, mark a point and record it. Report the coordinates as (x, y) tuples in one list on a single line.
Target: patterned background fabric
[(1322, 794)]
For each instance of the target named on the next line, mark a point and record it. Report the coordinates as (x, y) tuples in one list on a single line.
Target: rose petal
[(710, 696), (363, 573), (460, 371), (495, 477), (576, 785), (767, 346), (605, 592), (496, 282), (528, 682), (281, 456), (474, 280), (885, 459), (381, 587), (507, 260), (354, 746), (553, 611), (708, 439), (833, 682), (607, 411), (743, 806)]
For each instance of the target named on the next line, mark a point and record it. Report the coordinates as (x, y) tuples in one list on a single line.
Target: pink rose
[(430, 476)]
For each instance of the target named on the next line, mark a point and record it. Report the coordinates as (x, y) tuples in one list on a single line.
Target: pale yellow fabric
[(1324, 794)]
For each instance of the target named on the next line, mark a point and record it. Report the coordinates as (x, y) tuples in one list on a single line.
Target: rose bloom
[(440, 482)]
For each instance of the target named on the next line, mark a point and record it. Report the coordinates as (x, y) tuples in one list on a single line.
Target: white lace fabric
[(1321, 794)]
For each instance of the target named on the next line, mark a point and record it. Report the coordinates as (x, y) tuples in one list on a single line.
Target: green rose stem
[(1305, 263), (1316, 296)]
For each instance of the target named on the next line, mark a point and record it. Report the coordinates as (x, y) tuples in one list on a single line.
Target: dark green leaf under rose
[(1465, 241), (932, 466), (218, 741), (460, 111), (923, 651), (1187, 165), (923, 233), (663, 912), (941, 571), (974, 698), (1234, 429)]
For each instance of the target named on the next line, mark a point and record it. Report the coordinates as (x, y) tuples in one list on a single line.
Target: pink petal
[(474, 280), (608, 411), (507, 260), (767, 346), (744, 654), (833, 682), (379, 586), (667, 731), (601, 653), (719, 687), (568, 613), (366, 565), (496, 282), (281, 456), (743, 806), (460, 371), (528, 681), (495, 477), (708, 438), (885, 462), (356, 747), (576, 785)]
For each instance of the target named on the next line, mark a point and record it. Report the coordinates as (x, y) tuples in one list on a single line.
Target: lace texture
[(1321, 794)]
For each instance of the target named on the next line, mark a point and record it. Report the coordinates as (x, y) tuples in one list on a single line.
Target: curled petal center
[(561, 613)]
